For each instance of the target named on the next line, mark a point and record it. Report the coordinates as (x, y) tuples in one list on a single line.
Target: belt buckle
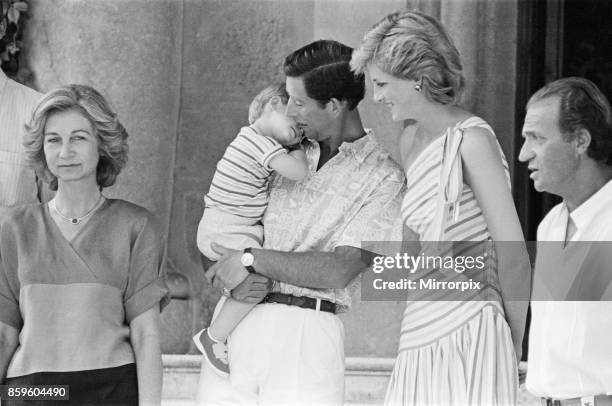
[(298, 301)]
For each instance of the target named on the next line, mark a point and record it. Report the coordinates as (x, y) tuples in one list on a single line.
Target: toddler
[(238, 197)]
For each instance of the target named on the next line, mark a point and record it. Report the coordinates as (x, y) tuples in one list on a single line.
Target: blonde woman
[(81, 277), (450, 352)]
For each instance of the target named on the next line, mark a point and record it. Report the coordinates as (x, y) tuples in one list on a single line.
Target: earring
[(419, 85)]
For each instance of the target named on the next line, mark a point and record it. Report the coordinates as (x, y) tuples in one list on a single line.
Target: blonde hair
[(414, 46), (113, 147), (263, 97)]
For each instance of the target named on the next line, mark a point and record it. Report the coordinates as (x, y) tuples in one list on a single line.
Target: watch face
[(247, 259)]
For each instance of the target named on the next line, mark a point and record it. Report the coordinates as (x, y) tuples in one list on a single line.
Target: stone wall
[(181, 74)]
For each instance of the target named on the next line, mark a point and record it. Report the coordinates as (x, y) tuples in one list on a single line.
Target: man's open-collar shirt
[(570, 350), (354, 197)]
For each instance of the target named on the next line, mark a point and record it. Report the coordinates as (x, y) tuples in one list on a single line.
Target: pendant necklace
[(75, 221)]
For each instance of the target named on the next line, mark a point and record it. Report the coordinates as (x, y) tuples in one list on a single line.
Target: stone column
[(131, 52), (485, 32)]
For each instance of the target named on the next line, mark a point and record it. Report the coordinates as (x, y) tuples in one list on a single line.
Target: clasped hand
[(229, 273)]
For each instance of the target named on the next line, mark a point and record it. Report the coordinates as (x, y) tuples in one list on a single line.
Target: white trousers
[(280, 355)]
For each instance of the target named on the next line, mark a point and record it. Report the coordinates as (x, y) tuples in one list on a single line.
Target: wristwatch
[(247, 260)]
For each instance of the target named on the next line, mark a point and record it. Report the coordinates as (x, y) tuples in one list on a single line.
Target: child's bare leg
[(228, 318)]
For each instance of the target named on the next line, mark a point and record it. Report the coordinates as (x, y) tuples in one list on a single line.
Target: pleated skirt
[(473, 365)]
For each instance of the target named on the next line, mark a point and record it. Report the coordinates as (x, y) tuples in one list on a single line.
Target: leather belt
[(300, 301), (599, 400)]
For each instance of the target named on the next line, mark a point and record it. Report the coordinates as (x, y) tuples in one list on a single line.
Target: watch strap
[(249, 268)]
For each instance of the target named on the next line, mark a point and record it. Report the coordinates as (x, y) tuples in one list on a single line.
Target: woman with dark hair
[(451, 352), (81, 277)]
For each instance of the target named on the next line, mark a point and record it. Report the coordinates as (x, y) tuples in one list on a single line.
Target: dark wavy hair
[(324, 67), (113, 147), (582, 106)]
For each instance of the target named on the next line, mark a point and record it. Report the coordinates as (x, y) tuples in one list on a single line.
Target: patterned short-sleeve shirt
[(354, 197)]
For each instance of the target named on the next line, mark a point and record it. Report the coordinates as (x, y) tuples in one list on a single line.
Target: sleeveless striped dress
[(452, 352)]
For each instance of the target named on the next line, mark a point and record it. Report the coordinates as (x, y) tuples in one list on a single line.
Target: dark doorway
[(587, 42), (556, 38)]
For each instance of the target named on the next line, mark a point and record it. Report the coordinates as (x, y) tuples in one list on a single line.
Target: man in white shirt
[(568, 147), (18, 183)]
